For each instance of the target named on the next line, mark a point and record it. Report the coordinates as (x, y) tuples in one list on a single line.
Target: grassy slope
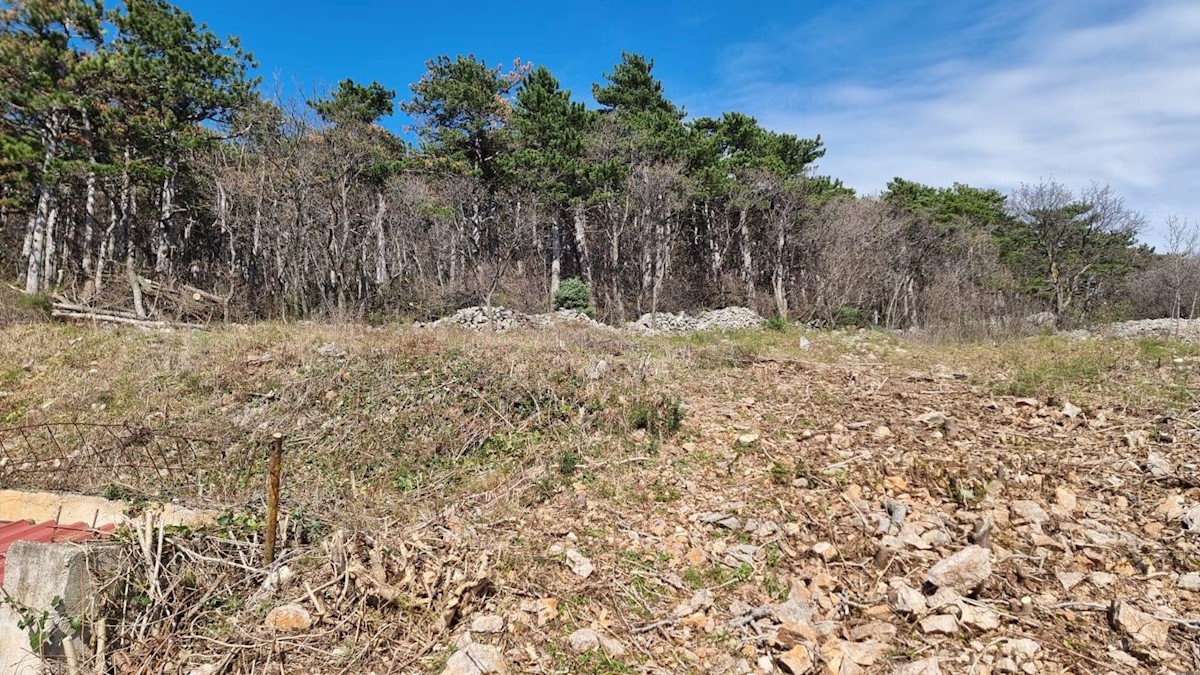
[(528, 443)]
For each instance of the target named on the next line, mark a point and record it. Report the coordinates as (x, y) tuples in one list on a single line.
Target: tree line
[(136, 144)]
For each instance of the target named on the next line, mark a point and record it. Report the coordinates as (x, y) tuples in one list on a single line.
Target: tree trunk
[(747, 257), (579, 215), (647, 259), (555, 257), (381, 271), (662, 261), (162, 251), (89, 222), (106, 247), (89, 218), (30, 225), (35, 261), (714, 248), (262, 179), (37, 242), (49, 263), (134, 285), (778, 279)]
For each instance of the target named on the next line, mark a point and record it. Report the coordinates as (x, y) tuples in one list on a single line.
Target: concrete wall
[(72, 508), (34, 575)]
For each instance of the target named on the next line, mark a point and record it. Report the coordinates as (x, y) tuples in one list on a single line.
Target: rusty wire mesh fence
[(119, 461)]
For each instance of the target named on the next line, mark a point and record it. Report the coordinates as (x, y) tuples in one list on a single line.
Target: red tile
[(46, 532)]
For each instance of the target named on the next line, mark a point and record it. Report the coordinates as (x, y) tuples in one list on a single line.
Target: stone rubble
[(1186, 330), (501, 319), (727, 318), (964, 571)]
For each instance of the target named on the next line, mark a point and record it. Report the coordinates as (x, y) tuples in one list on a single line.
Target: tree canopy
[(135, 142)]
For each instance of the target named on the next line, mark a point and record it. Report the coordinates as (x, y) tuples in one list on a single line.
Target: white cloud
[(1108, 97)]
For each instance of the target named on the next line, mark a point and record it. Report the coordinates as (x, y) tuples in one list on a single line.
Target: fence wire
[(114, 460)]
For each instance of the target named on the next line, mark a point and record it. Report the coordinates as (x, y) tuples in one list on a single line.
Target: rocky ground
[(595, 501), (852, 517)]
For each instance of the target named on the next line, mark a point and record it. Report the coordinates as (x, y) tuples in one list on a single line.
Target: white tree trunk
[(35, 260), (162, 252), (381, 270), (262, 179), (747, 257), (581, 244), (135, 285), (778, 279), (555, 259), (50, 261), (37, 243), (89, 222)]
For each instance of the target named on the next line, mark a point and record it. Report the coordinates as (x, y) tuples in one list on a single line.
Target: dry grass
[(444, 453)]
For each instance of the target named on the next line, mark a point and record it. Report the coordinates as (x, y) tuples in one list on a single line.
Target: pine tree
[(462, 107), (47, 59), (551, 134), (176, 75), (634, 99)]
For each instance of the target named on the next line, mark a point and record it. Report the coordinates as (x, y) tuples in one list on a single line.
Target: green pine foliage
[(134, 138), (573, 294)]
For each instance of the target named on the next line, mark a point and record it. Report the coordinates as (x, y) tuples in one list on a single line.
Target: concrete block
[(35, 575), (72, 508)]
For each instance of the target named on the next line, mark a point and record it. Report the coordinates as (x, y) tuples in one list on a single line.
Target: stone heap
[(482, 318), (502, 319), (727, 318)]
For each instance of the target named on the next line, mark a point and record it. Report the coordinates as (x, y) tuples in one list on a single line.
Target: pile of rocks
[(501, 319), (730, 318), (727, 318), (551, 319), (652, 323), (482, 318), (1187, 330)]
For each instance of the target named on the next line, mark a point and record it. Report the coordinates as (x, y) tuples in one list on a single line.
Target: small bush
[(662, 418), (573, 294), (849, 316), (568, 462), (777, 323)]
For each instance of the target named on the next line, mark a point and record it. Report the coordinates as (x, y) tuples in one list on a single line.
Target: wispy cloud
[(1079, 94)]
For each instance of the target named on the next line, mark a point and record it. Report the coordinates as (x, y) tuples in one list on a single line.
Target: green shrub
[(849, 316), (572, 294), (777, 323)]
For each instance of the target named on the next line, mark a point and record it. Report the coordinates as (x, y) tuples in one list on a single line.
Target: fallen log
[(65, 305), (112, 318)]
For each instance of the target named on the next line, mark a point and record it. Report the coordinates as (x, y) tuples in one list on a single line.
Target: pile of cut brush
[(192, 602), (141, 302)]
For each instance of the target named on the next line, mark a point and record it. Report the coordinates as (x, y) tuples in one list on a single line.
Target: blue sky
[(987, 93)]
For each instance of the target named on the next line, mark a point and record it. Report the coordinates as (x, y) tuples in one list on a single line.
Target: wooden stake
[(273, 476)]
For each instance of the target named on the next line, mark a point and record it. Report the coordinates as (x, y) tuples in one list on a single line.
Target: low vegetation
[(659, 491)]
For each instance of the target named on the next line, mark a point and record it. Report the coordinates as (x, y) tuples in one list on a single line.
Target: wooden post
[(273, 497)]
